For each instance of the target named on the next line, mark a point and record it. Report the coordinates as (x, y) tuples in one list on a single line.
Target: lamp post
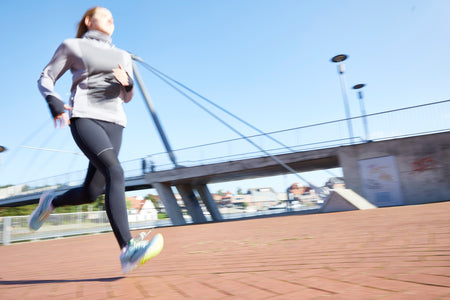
[(341, 69), (358, 88)]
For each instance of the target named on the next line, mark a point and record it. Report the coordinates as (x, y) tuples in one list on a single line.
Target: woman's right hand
[(63, 118)]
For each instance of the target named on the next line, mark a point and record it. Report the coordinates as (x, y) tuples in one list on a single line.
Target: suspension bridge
[(321, 146)]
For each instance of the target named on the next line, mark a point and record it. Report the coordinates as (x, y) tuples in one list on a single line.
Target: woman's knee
[(91, 193), (116, 171), (111, 163)]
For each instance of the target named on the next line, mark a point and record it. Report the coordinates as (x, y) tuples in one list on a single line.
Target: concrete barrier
[(344, 200)]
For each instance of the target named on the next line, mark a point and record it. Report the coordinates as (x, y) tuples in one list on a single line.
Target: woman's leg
[(93, 186), (100, 142)]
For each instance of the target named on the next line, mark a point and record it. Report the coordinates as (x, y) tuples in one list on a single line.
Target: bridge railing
[(409, 121), (15, 229)]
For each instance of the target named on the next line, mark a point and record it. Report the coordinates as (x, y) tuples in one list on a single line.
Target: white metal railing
[(15, 229)]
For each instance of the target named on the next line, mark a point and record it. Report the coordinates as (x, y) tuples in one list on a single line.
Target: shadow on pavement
[(22, 282)]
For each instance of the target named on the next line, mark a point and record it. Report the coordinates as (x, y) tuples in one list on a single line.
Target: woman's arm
[(57, 66)]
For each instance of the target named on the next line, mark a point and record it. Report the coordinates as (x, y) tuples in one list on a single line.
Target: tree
[(17, 211), (95, 206), (26, 188), (153, 199), (25, 210)]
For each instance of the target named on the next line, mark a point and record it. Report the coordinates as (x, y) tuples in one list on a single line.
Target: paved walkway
[(385, 253)]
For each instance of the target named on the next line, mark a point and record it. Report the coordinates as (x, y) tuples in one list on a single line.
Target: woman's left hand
[(121, 76), (62, 119)]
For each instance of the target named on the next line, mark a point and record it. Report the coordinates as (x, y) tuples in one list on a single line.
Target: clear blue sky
[(268, 61)]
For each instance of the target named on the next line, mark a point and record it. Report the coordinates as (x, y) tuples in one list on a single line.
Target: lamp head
[(339, 58), (359, 86)]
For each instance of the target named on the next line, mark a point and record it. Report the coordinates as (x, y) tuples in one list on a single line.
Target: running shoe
[(42, 211), (138, 252)]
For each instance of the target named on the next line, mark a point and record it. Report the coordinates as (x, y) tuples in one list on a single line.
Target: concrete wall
[(422, 163)]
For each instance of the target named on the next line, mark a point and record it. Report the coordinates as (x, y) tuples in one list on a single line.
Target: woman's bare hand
[(121, 75), (62, 119)]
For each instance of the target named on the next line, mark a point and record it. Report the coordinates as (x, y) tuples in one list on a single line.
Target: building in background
[(141, 209), (263, 196)]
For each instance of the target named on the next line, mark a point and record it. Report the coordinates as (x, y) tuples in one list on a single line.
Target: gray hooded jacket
[(95, 92)]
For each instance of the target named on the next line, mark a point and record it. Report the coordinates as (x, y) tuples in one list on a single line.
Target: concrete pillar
[(348, 161), (191, 202), (6, 230), (170, 203), (209, 202)]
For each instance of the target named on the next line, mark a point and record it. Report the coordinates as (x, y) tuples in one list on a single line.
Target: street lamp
[(340, 67), (358, 88)]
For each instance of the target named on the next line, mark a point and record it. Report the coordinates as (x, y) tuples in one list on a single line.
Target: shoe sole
[(43, 217)]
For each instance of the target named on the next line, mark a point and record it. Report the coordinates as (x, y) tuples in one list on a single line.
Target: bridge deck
[(219, 172), (249, 168), (412, 154)]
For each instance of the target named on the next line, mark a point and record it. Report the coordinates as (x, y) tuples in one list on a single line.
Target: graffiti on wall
[(420, 165), (381, 181)]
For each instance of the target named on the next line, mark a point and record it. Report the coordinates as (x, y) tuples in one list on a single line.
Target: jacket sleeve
[(57, 66), (129, 90)]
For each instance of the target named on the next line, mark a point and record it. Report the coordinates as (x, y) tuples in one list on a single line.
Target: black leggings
[(100, 141)]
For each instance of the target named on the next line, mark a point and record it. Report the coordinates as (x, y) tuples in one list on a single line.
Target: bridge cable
[(157, 74), (153, 70), (16, 149), (36, 155)]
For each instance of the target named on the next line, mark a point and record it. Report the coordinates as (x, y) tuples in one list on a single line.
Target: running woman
[(101, 83)]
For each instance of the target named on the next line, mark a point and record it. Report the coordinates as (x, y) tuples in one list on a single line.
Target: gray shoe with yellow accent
[(42, 211), (139, 252)]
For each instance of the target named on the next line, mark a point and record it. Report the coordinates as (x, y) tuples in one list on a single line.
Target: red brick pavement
[(385, 253)]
